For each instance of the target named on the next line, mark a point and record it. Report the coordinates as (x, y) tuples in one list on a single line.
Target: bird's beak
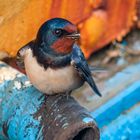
[(74, 36)]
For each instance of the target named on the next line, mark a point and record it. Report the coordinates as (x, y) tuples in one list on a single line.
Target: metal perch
[(26, 114)]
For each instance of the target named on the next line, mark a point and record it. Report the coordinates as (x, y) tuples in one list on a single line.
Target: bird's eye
[(58, 32)]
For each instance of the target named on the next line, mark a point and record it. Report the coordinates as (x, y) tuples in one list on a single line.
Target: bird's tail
[(94, 88)]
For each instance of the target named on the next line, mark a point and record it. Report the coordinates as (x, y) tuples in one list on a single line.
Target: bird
[(53, 62)]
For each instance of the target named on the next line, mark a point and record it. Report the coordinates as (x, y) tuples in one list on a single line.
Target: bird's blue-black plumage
[(80, 64)]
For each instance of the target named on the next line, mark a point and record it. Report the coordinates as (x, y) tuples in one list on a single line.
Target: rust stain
[(99, 21)]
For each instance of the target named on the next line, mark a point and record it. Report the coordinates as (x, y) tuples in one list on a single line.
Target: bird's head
[(57, 35)]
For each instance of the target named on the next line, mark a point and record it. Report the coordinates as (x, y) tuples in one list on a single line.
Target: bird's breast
[(51, 81)]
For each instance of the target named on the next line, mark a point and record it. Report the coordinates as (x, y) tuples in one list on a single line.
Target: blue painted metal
[(17, 111), (125, 127), (123, 101), (113, 120), (125, 77)]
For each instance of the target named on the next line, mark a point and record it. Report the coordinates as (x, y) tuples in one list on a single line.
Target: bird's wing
[(20, 55), (80, 64)]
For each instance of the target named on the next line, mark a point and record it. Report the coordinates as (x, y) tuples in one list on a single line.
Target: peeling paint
[(87, 120), (17, 84), (65, 125), (18, 103)]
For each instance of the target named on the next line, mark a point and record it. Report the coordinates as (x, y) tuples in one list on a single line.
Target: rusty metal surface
[(99, 21)]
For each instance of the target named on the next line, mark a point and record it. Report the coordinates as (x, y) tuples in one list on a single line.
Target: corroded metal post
[(27, 114)]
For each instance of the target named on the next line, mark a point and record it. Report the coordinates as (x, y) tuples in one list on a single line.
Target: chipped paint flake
[(27, 83), (17, 85), (65, 125)]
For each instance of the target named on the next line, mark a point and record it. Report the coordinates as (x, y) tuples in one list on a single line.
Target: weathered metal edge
[(113, 108)]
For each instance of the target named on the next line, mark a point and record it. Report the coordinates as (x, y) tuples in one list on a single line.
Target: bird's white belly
[(51, 81)]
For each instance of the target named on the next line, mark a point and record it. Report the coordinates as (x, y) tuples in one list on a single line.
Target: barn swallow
[(53, 62)]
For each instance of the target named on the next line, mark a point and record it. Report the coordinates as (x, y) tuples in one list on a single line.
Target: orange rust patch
[(116, 17)]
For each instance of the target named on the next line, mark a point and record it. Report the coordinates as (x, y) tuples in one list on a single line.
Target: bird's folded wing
[(80, 64)]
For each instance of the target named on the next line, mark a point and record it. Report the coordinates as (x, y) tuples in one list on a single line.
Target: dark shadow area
[(85, 134)]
